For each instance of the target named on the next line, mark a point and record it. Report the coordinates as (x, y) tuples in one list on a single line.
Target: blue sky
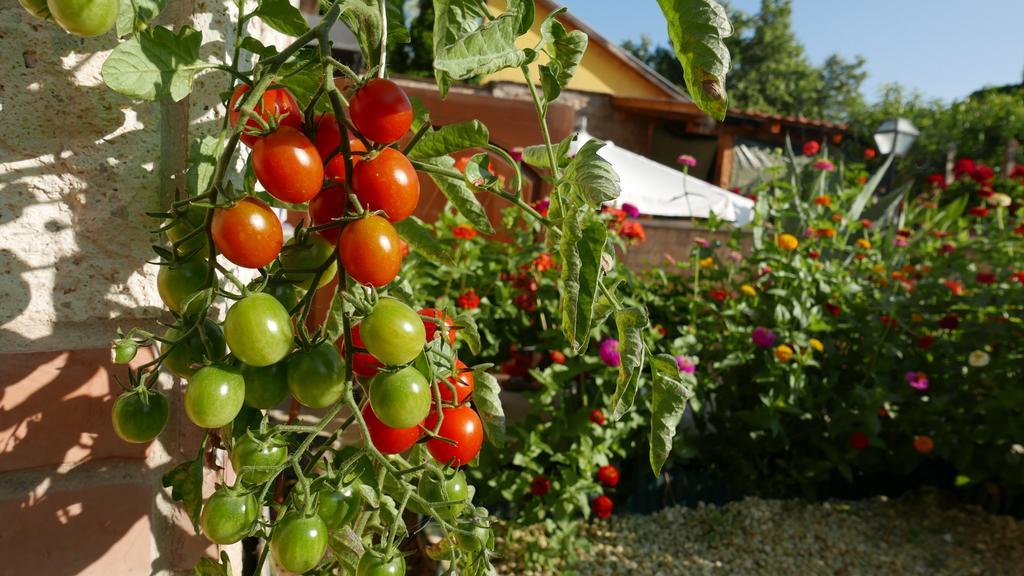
[(944, 48)]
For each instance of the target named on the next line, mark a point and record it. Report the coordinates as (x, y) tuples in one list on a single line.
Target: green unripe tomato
[(267, 386), (37, 8), (123, 350), (339, 507), (184, 358), (476, 540), (393, 332), (400, 399), (194, 218), (227, 517), (310, 254), (316, 377), (249, 451), (177, 282), (370, 565), (258, 330), (454, 488), (299, 542), (84, 17), (214, 396), (140, 415), (285, 293)]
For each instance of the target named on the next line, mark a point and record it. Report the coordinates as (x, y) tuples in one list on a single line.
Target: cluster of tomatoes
[(300, 162)]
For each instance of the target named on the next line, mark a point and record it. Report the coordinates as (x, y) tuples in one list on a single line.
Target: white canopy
[(658, 190)]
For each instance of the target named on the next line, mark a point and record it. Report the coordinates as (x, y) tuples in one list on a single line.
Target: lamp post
[(895, 137)]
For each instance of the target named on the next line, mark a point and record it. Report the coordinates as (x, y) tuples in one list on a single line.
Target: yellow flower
[(864, 243), (748, 290), (708, 262), (783, 353), (788, 242), (816, 344)]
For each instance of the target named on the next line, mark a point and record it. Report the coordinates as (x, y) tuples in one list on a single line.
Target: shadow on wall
[(77, 174)]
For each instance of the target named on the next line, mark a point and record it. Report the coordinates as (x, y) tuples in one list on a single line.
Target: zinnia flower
[(924, 444), (816, 344), (783, 353), (542, 206), (985, 277), (631, 210), (608, 475), (702, 242), (763, 337), (864, 243), (925, 342), (917, 380), (900, 241), (516, 153), (597, 416), (811, 148), (859, 441), (823, 200), (1000, 199), (686, 160), (870, 153), (955, 287), (978, 211), (963, 167), (748, 290), (634, 231), (469, 299), (602, 506), (937, 181), (557, 356), (543, 262), (685, 364), (609, 352), (540, 486), (708, 262), (788, 242), (978, 359), (949, 322), (464, 231), (824, 166)]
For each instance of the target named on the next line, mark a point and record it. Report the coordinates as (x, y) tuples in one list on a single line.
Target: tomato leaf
[(593, 177), (420, 114), (302, 74), (537, 155), (478, 174), (256, 47), (186, 483), (470, 42), (422, 240), (671, 388), (203, 162), (581, 250), (566, 49), (698, 29), (451, 138), (630, 323), (210, 567), (603, 306), (460, 195), (156, 63), (133, 15), (487, 399), (282, 16), (363, 18), (468, 331)]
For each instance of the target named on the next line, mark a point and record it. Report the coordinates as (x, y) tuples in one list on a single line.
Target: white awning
[(658, 190)]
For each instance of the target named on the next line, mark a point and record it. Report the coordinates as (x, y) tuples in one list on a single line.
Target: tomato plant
[(176, 282), (140, 415), (381, 111), (248, 233), (184, 350), (302, 259), (214, 396), (328, 143), (84, 17), (316, 378), (433, 318), (288, 165), (370, 565), (229, 516), (275, 105), (393, 332), (387, 181), (387, 439), (400, 399), (339, 507), (251, 451), (370, 251), (450, 493), (258, 330), (299, 542), (265, 386), (464, 432), (329, 204)]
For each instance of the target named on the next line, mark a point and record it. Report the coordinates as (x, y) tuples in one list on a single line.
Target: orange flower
[(783, 353), (955, 287), (633, 230), (825, 232), (823, 201), (464, 231), (543, 262), (788, 242), (864, 243), (924, 444)]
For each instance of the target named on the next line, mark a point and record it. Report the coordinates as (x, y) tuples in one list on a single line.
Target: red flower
[(814, 254), (526, 301), (597, 417), (889, 321), (543, 262), (602, 506), (1018, 171), (947, 248), (811, 148), (823, 200), (608, 475), (1018, 276), (405, 247), (540, 486), (464, 231), (941, 234), (955, 287), (986, 277), (833, 309), (883, 413), (661, 330), (925, 342), (859, 441), (949, 322), (633, 230), (825, 232), (618, 216), (964, 167), (986, 191), (903, 233), (979, 211), (557, 356), (937, 181), (982, 173), (867, 223), (469, 299), (870, 153), (718, 294), (1019, 230)]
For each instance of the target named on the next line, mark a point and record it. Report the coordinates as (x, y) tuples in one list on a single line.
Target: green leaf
[(581, 250), (469, 42), (420, 114), (155, 64), (566, 49), (363, 18), (460, 195), (631, 323), (256, 47), (478, 174), (867, 192), (487, 399), (537, 155), (604, 306), (451, 138), (186, 483), (670, 390), (282, 16), (468, 331), (698, 29), (203, 162), (593, 177), (302, 75), (210, 567), (134, 15), (422, 240)]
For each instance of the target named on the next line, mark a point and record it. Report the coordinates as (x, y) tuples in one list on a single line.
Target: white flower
[(1000, 199), (978, 359)]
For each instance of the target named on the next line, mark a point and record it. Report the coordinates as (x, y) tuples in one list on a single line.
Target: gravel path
[(919, 536)]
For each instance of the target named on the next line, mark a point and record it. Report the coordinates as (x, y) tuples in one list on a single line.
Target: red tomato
[(326, 206), (288, 166), (248, 234), (463, 161), (432, 326), (357, 339), (463, 381), (370, 252), (276, 103), (387, 182), (386, 439), (381, 111), (328, 139), (462, 425)]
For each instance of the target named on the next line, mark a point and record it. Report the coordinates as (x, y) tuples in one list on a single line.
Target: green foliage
[(698, 29), (155, 64)]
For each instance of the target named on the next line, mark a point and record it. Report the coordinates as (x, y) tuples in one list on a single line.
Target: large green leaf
[(133, 15), (565, 50), (487, 399), (537, 155), (468, 331), (422, 240), (156, 63), (458, 192), (593, 177), (363, 18), (202, 162), (698, 29), (282, 16), (670, 390), (630, 323), (469, 42), (451, 138), (581, 250), (867, 192), (210, 567), (186, 483)]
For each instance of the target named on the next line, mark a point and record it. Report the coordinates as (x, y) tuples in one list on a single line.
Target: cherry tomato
[(214, 396), (299, 542), (431, 326), (339, 507), (310, 254), (476, 540), (357, 338), (176, 282), (328, 141), (283, 292), (400, 399), (393, 332), (381, 111), (37, 8), (288, 166), (258, 330), (227, 517), (250, 451), (193, 219), (463, 161), (248, 234), (386, 439), (183, 360), (329, 204), (387, 182), (267, 386), (370, 565), (275, 103), (463, 381), (140, 415), (452, 489), (462, 425), (370, 251), (365, 365), (84, 17), (316, 378)]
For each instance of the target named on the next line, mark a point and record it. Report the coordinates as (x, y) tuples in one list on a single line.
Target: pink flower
[(685, 364), (630, 210), (516, 153), (763, 337), (917, 380), (686, 160), (609, 352), (702, 242), (824, 166), (900, 241)]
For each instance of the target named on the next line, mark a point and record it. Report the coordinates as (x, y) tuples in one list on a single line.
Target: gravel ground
[(919, 535)]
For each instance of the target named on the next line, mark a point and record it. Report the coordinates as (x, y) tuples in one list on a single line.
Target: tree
[(417, 57), (661, 59)]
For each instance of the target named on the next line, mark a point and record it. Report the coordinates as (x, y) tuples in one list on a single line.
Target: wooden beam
[(723, 159)]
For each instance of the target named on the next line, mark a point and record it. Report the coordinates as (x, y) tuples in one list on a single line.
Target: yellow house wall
[(600, 71)]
